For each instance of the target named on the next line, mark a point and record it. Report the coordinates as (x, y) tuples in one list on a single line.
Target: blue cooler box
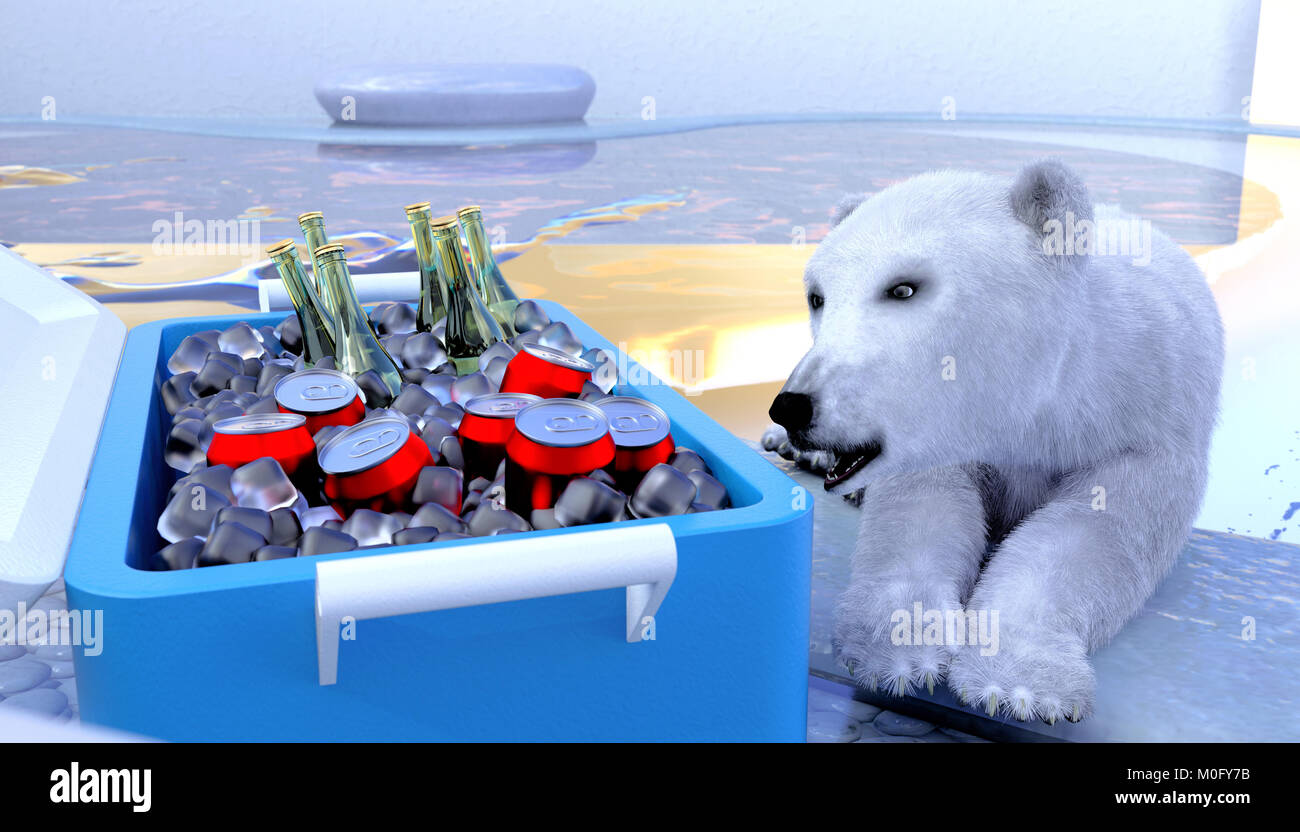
[(683, 628)]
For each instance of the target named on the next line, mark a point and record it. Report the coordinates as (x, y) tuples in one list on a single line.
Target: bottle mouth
[(329, 250), (310, 216), (287, 244)]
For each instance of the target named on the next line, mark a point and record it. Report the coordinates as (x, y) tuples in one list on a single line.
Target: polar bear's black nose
[(792, 411)]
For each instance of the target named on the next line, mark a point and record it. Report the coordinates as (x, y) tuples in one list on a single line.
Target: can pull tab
[(642, 558)]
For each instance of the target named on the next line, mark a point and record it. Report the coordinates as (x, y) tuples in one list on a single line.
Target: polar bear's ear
[(846, 206), (1049, 191)]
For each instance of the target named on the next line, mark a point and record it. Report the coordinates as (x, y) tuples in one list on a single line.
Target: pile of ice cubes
[(217, 515)]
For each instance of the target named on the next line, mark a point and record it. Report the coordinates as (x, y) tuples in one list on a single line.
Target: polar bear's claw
[(1047, 679)]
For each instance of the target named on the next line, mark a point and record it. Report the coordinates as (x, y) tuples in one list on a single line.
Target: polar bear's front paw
[(1049, 678), (878, 664)]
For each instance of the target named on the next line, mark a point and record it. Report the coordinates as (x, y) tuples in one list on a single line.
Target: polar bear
[(1029, 408)]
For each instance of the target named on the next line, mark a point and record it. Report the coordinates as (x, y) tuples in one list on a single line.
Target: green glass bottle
[(314, 318), (433, 290), (471, 329), (501, 300), (356, 349), (312, 224)]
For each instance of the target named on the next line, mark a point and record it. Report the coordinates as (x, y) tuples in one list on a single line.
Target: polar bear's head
[(939, 321)]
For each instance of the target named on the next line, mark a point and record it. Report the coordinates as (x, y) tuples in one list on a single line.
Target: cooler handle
[(506, 568)]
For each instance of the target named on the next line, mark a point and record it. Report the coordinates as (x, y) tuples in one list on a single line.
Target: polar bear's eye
[(815, 301), (902, 291)]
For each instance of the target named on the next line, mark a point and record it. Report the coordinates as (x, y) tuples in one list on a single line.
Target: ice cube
[(176, 392), (371, 528), (271, 373), (414, 400), (216, 477), (190, 354), (414, 534), (686, 460), (184, 446), (498, 350), (494, 370), (490, 517), (318, 515), (708, 490), (544, 518), (274, 553), (320, 540), (229, 543), (449, 450), (436, 515), (286, 528), (585, 500), (212, 377), (398, 317), (558, 336), (289, 331), (530, 315), (440, 484), (439, 386), (532, 336), (468, 386), (664, 490), (178, 555), (270, 343), (373, 388), (241, 340), (263, 484), (251, 518), (424, 351)]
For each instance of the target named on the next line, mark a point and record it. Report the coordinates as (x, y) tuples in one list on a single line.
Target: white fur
[(1071, 373)]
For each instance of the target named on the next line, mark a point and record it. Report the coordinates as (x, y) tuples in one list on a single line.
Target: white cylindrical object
[(371, 288)]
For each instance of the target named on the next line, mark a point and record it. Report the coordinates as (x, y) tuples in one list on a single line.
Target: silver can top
[(562, 423), (363, 446), (315, 391), (559, 358), (500, 405), (255, 423), (633, 422)]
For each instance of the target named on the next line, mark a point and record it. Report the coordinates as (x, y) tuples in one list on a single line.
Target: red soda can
[(642, 438), (487, 425), (373, 464), (282, 436), (554, 441), (546, 373), (324, 397)]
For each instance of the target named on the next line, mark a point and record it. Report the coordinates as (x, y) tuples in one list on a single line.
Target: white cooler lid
[(59, 351)]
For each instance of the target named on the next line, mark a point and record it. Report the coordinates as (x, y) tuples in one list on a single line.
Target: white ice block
[(371, 288)]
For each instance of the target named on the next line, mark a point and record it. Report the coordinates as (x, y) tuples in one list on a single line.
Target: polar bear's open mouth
[(849, 463)]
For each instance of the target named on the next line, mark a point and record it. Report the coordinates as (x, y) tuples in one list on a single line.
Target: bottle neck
[(492, 286), (433, 294), (452, 261), (349, 317), (316, 320)]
